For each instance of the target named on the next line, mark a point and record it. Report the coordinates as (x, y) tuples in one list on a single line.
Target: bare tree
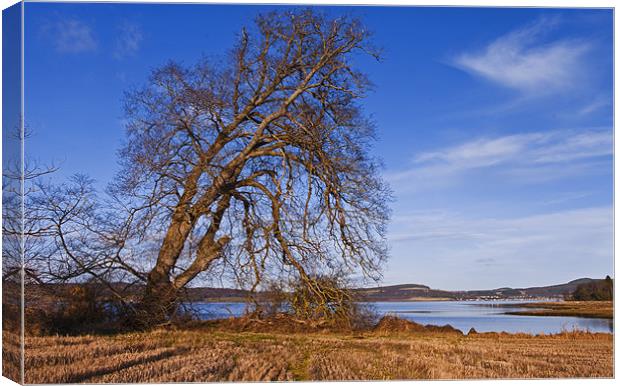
[(22, 229), (263, 161), (64, 233), (259, 165)]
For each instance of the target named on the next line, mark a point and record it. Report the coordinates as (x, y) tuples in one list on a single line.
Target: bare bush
[(324, 301)]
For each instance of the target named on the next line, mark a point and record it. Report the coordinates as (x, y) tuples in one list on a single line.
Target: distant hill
[(130, 291), (552, 290), (203, 293), (412, 292), (406, 292), (401, 292)]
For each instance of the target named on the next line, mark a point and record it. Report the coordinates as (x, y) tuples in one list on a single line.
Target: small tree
[(609, 288)]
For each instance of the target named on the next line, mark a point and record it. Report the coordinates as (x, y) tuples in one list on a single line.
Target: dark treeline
[(595, 290)]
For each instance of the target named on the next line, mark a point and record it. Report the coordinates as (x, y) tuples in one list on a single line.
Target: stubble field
[(208, 356)]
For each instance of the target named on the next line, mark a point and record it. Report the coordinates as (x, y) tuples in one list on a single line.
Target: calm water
[(484, 316)]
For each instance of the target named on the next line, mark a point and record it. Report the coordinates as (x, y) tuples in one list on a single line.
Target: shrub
[(323, 300), (74, 309)]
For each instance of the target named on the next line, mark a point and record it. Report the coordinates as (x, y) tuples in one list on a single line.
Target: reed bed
[(584, 309)]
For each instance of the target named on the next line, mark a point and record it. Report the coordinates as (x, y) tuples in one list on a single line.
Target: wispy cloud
[(525, 156), (482, 152), (556, 146), (450, 225), (594, 105), (492, 250), (522, 60), (70, 35), (128, 41), (564, 197)]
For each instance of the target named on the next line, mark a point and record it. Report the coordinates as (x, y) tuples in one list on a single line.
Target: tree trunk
[(158, 304), (160, 298)]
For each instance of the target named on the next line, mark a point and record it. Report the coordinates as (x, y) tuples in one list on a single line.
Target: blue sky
[(495, 125)]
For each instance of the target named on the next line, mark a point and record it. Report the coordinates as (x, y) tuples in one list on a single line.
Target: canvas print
[(229, 192)]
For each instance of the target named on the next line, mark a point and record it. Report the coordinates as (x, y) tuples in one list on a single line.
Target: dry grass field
[(207, 354)]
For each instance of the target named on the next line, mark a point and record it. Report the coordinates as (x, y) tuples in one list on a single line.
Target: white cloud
[(70, 36), (128, 41), (573, 147), (594, 105), (482, 152), (491, 252), (521, 60), (530, 157), (443, 225)]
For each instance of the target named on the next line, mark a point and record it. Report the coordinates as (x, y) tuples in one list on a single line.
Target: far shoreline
[(532, 307), (601, 309), (408, 300)]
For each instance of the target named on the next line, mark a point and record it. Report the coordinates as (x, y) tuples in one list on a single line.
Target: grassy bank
[(584, 309), (207, 354)]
